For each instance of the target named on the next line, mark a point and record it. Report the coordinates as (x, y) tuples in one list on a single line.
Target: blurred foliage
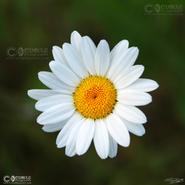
[(27, 150)]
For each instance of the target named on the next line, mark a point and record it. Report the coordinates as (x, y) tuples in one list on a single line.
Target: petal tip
[(156, 85), (39, 120), (29, 93), (75, 33)]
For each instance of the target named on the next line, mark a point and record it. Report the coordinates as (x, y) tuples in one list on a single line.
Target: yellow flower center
[(95, 97)]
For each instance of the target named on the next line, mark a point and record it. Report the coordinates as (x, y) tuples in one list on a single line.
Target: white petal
[(64, 73), (102, 58), (64, 133), (145, 85), (88, 49), (85, 136), (70, 150), (130, 113), (132, 75), (136, 129), (132, 97), (51, 81), (58, 54), (117, 55), (54, 127), (118, 130), (131, 56), (71, 141), (113, 147), (38, 94), (74, 60), (126, 60), (118, 50), (101, 139), (55, 114), (48, 102), (76, 40)]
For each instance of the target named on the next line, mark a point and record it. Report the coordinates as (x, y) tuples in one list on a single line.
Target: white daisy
[(93, 96)]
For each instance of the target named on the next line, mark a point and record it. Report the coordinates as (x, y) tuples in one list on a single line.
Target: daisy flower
[(92, 96)]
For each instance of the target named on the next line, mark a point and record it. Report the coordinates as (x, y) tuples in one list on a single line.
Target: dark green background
[(160, 36)]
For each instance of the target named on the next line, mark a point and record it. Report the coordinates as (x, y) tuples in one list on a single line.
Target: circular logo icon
[(12, 178), (20, 51)]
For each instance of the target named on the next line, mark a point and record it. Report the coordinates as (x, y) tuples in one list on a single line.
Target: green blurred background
[(158, 31)]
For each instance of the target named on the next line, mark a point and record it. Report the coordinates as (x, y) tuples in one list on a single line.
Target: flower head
[(92, 96)]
